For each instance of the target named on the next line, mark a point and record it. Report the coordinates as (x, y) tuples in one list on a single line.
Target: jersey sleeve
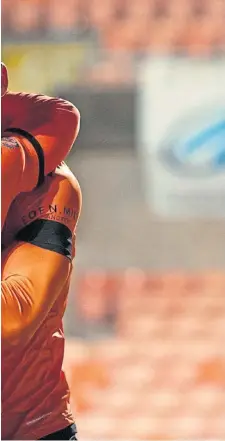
[(33, 278), (53, 122), (16, 172), (37, 267), (58, 133)]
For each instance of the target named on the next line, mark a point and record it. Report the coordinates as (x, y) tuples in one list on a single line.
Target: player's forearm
[(67, 121), (54, 123), (58, 133)]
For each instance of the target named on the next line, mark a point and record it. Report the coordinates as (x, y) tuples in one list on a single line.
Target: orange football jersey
[(39, 237), (37, 134)]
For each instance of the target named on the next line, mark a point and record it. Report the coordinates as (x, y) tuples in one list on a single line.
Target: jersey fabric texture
[(36, 270), (37, 133)]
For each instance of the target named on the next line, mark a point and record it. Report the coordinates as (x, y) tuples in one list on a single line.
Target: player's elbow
[(68, 119), (75, 114), (75, 121)]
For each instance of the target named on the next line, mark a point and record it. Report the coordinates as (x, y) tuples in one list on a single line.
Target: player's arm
[(53, 122), (14, 172), (58, 131), (12, 164), (50, 127), (32, 281), (36, 269), (19, 170)]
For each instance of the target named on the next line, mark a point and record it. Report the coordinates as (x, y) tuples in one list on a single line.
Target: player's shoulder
[(58, 199), (12, 155)]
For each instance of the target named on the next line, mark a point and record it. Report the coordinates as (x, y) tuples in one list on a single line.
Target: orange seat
[(91, 295), (101, 13), (62, 16), (139, 9), (91, 372), (24, 16), (91, 305), (95, 279), (84, 377), (212, 372), (154, 25), (180, 10), (80, 400), (163, 372), (199, 36), (215, 280)]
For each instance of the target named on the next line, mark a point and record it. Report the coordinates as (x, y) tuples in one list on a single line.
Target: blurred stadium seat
[(62, 16), (163, 374), (23, 17), (153, 25)]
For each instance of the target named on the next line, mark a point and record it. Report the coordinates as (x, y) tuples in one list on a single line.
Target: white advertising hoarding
[(181, 136)]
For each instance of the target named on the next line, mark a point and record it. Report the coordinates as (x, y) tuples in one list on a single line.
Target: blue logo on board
[(196, 145)]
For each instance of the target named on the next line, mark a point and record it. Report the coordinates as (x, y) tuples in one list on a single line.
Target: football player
[(39, 239), (37, 133)]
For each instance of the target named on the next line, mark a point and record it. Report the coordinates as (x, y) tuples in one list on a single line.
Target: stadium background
[(145, 354)]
